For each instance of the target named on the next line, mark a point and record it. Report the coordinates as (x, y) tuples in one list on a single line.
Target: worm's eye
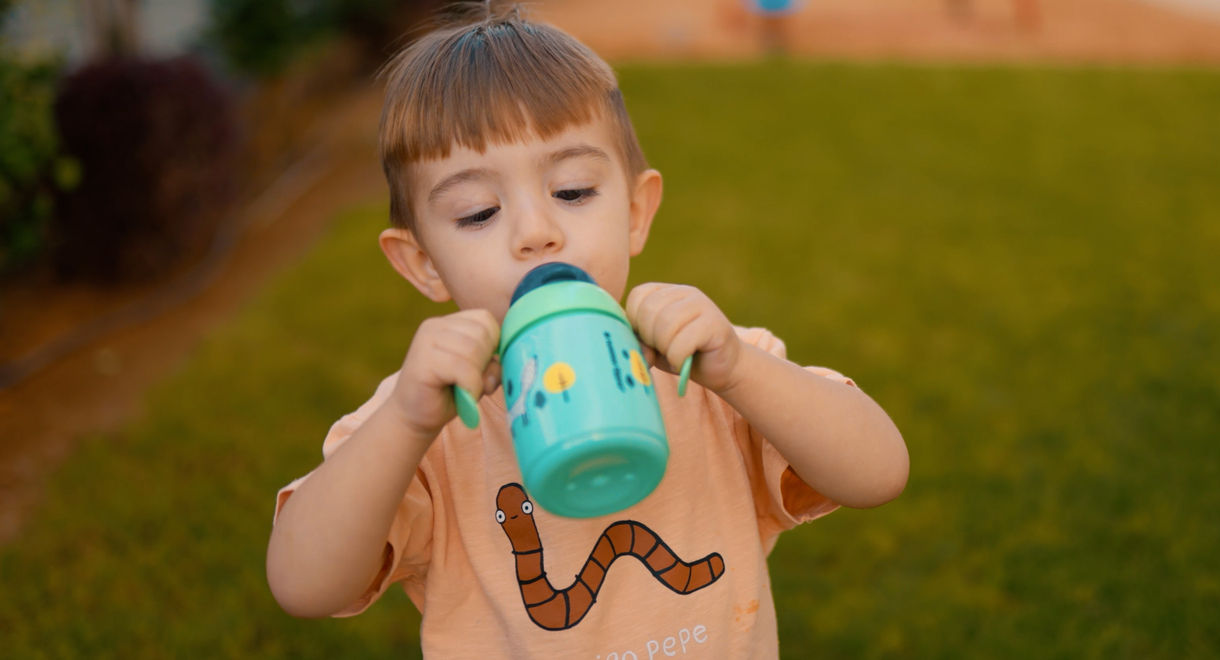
[(527, 507), (500, 517)]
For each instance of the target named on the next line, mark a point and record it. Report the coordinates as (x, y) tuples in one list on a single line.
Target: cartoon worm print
[(559, 609)]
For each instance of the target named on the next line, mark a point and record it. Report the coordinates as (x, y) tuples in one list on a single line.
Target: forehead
[(592, 141)]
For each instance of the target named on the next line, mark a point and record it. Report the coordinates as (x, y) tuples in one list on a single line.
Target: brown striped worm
[(559, 609)]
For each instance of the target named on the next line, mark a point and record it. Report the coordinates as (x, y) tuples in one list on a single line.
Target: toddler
[(506, 145)]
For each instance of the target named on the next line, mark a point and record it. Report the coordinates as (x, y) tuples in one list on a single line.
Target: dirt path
[(98, 386)]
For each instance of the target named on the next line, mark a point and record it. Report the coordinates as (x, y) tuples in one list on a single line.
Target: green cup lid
[(556, 297)]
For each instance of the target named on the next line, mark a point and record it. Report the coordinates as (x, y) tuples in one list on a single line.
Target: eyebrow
[(458, 178), (578, 151), (477, 173)]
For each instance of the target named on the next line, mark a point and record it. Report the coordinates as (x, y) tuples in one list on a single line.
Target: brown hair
[(495, 79)]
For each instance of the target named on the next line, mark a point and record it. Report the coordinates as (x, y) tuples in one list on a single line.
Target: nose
[(537, 234)]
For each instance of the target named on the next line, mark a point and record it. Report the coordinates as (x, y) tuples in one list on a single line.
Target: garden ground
[(100, 382)]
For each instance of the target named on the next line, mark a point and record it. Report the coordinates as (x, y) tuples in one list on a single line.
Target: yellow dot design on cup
[(639, 369), (558, 377)]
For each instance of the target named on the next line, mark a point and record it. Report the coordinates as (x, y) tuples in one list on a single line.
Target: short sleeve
[(408, 543), (783, 499)]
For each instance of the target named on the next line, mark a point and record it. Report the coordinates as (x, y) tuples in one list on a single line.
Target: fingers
[(680, 321), (468, 341), (676, 320), (455, 350)]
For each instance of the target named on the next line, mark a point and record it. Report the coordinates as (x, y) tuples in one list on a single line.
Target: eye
[(576, 195), (477, 219), (527, 507), (500, 517)]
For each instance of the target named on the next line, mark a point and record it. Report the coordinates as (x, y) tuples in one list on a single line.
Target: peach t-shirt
[(703, 590)]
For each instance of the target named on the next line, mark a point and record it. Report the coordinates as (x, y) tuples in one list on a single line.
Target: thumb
[(652, 357), (491, 376)]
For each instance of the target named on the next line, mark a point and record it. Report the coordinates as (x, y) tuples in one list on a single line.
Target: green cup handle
[(684, 376), (467, 407)]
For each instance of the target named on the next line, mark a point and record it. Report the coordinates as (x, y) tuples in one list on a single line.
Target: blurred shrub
[(260, 37), (156, 141), (379, 26), (31, 167)]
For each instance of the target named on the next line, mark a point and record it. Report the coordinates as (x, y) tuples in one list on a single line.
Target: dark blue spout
[(547, 273)]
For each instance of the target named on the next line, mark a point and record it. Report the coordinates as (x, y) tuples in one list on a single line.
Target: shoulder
[(347, 424), (764, 339)]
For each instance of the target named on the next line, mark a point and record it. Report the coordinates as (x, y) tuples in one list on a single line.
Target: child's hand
[(677, 321), (447, 350)]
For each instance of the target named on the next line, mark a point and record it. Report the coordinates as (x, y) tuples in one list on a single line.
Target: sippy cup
[(582, 407)]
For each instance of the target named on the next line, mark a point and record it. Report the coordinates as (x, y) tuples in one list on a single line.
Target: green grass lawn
[(1019, 264)]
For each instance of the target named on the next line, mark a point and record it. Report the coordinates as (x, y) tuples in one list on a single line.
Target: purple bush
[(157, 145)]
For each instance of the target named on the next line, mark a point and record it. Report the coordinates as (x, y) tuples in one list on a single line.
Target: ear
[(645, 199), (409, 258)]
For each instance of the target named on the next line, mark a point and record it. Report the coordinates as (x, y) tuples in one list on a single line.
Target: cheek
[(613, 276), (481, 293)]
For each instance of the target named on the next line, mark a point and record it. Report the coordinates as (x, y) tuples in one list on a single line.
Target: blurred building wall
[(1208, 7), (48, 27)]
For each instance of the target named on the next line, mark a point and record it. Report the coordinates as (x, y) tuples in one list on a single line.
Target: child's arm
[(837, 439), (329, 540)]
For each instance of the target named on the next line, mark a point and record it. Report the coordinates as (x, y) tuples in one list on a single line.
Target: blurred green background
[(1017, 262)]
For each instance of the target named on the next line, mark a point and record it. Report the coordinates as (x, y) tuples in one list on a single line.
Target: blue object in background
[(774, 6)]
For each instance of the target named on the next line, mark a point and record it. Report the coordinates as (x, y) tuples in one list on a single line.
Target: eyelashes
[(569, 196), (478, 218), (577, 195)]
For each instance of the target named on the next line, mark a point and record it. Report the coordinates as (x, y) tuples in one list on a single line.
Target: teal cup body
[(582, 407)]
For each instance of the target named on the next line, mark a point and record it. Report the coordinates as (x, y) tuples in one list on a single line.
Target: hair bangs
[(497, 81)]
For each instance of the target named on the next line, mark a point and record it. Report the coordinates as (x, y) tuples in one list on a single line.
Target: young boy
[(507, 145)]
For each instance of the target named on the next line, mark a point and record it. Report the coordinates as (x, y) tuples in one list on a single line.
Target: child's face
[(483, 220)]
